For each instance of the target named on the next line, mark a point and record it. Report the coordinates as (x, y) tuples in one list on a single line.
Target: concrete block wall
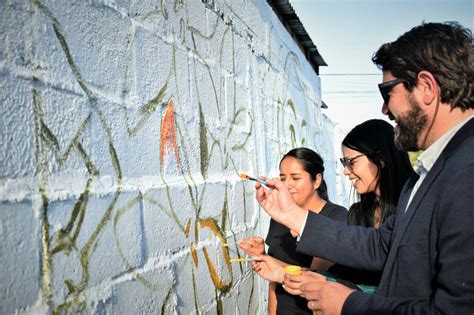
[(123, 128)]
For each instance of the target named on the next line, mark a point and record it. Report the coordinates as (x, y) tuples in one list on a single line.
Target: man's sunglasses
[(349, 161), (386, 87)]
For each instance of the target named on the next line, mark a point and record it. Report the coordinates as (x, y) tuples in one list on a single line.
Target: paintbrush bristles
[(230, 244), (247, 177), (244, 176)]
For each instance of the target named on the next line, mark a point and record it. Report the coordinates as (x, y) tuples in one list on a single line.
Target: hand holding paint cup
[(293, 270), (293, 283)]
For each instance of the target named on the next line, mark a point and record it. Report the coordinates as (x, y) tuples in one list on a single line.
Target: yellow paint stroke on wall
[(168, 133), (194, 254), (211, 224), (187, 228)]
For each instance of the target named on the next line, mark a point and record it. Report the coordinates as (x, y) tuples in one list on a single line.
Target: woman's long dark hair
[(375, 139), (313, 164)]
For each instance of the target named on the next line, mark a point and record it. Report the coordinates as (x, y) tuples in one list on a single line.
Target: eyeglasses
[(386, 87), (349, 161)]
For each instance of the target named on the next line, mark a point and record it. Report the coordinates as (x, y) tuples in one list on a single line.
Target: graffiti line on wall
[(65, 239), (226, 126)]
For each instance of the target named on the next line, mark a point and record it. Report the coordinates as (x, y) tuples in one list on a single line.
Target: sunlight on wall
[(124, 127)]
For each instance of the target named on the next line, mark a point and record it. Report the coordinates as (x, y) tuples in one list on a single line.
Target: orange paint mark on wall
[(224, 287), (168, 133)]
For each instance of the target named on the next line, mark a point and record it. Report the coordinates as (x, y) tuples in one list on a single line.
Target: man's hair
[(443, 49)]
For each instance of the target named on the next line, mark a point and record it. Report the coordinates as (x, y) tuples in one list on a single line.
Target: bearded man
[(425, 250)]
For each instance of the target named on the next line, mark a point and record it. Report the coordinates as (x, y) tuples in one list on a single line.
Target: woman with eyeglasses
[(301, 170), (378, 171)]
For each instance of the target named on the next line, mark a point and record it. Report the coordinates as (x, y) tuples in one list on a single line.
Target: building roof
[(292, 22)]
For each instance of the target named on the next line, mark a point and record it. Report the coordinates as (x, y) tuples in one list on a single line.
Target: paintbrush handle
[(247, 177), (234, 260), (261, 181)]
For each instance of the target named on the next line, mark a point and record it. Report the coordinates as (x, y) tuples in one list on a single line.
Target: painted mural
[(140, 125)]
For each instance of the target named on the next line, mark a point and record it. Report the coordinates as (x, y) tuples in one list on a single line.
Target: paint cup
[(293, 270)]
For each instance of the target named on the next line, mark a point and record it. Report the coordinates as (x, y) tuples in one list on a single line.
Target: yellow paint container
[(293, 270)]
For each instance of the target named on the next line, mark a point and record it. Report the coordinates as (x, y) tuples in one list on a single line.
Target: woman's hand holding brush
[(253, 246)]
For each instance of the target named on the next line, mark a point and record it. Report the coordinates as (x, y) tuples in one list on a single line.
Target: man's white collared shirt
[(426, 160)]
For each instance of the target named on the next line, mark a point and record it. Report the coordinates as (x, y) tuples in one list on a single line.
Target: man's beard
[(410, 127)]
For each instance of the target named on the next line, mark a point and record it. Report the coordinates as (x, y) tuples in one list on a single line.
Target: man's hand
[(325, 297), (269, 268), (293, 283), (279, 204), (253, 246)]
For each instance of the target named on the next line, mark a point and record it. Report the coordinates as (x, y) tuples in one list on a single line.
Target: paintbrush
[(229, 244), (246, 177), (234, 260)]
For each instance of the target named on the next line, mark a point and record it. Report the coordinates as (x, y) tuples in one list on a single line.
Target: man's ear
[(428, 87)]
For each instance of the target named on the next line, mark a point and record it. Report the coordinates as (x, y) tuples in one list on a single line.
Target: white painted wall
[(123, 127)]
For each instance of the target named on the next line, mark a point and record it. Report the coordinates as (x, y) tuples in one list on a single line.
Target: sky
[(348, 32)]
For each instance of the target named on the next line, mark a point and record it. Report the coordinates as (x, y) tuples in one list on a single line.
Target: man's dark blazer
[(426, 253)]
